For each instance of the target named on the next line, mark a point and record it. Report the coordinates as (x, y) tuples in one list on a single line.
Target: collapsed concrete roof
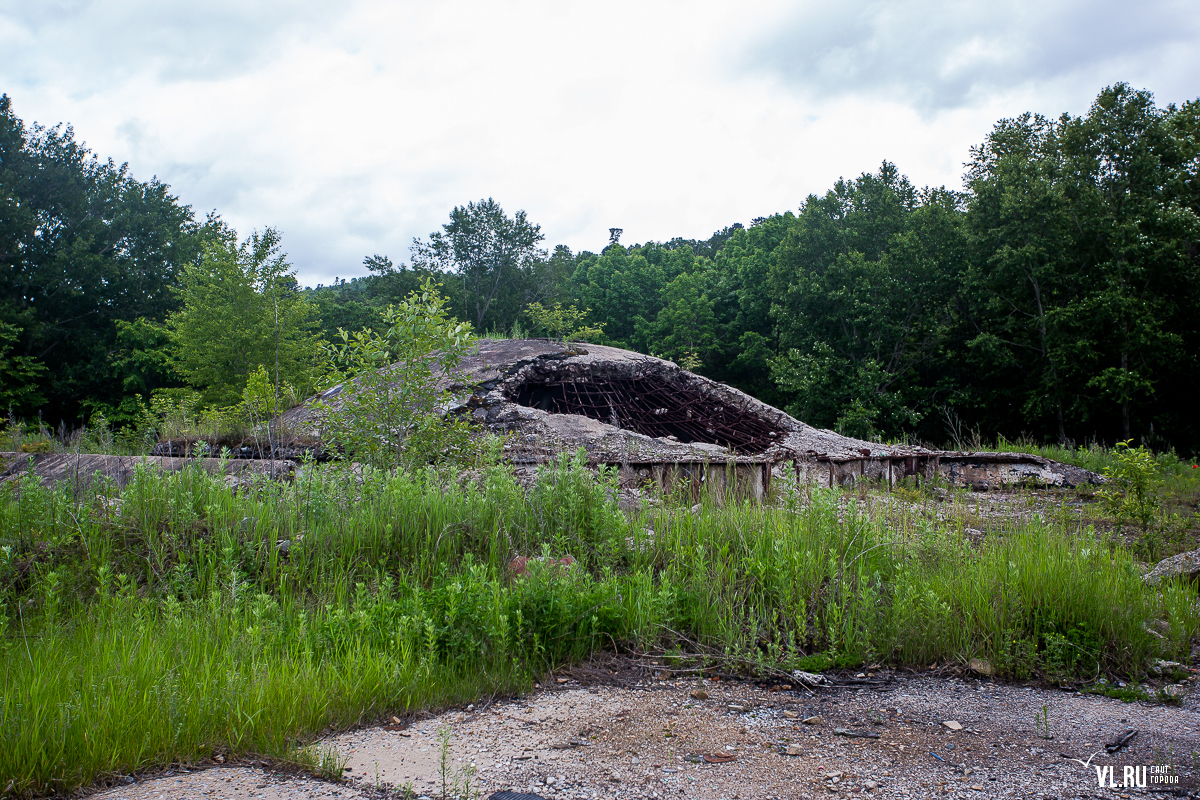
[(637, 412)]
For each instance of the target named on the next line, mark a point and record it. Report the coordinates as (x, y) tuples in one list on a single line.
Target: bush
[(393, 409)]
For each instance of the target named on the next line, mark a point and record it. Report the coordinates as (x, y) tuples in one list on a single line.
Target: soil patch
[(625, 734)]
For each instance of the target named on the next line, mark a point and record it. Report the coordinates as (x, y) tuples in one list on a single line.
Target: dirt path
[(649, 740)]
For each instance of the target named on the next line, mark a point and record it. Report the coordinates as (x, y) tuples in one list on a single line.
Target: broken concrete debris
[(83, 470)]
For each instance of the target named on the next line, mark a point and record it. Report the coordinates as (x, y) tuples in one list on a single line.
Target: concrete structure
[(657, 423)]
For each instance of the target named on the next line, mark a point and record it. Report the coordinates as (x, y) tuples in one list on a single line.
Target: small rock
[(793, 750), (470, 707), (1161, 668), (870, 786), (953, 724), (810, 678), (790, 715), (813, 721), (1185, 565), (737, 709), (396, 721), (635, 760), (980, 666), (699, 694), (561, 681)]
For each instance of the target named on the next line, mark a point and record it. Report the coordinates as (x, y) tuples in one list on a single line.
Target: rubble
[(82, 470)]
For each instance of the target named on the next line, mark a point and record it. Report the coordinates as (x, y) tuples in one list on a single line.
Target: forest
[(1056, 297)]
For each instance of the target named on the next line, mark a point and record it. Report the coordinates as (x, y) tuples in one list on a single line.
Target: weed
[(324, 761), (1041, 723), (1126, 694), (151, 623)]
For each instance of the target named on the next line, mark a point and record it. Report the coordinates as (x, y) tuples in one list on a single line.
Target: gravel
[(654, 739)]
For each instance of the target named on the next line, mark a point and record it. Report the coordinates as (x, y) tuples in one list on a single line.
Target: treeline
[(1057, 296)]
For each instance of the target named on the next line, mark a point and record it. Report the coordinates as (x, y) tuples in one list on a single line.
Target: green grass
[(165, 622)]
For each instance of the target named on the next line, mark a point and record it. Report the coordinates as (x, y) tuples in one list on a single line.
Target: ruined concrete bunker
[(659, 424)]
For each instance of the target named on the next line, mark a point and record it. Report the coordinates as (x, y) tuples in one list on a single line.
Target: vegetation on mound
[(175, 618)]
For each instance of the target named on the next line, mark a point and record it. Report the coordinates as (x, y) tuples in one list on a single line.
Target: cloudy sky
[(355, 126)]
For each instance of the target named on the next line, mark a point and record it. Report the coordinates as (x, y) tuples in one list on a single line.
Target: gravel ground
[(579, 740)]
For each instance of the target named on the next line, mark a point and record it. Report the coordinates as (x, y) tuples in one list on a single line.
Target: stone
[(1161, 668), (790, 715), (813, 721), (810, 678), (953, 724), (980, 666), (1184, 565), (793, 750), (699, 694)]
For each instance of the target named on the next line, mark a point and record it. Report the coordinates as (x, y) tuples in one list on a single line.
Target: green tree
[(392, 408), (742, 301), (241, 311), (82, 245), (685, 328), (495, 256), (19, 375), (864, 286), (564, 324), (622, 288), (1084, 290)]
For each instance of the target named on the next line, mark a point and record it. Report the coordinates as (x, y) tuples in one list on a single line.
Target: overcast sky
[(355, 126)]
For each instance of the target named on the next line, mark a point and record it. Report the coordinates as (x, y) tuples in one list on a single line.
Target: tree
[(82, 246), (19, 375), (685, 329), (622, 288), (1083, 294), (863, 288), (241, 311), (742, 301), (392, 409), (495, 257), (564, 324)]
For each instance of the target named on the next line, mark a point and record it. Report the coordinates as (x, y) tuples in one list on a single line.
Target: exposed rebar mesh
[(654, 408)]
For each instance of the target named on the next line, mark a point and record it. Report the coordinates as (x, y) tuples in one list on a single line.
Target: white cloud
[(938, 54), (354, 130)]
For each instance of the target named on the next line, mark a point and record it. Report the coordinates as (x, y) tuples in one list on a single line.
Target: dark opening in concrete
[(651, 406)]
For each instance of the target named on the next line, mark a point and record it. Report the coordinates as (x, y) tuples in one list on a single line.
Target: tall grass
[(174, 618)]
